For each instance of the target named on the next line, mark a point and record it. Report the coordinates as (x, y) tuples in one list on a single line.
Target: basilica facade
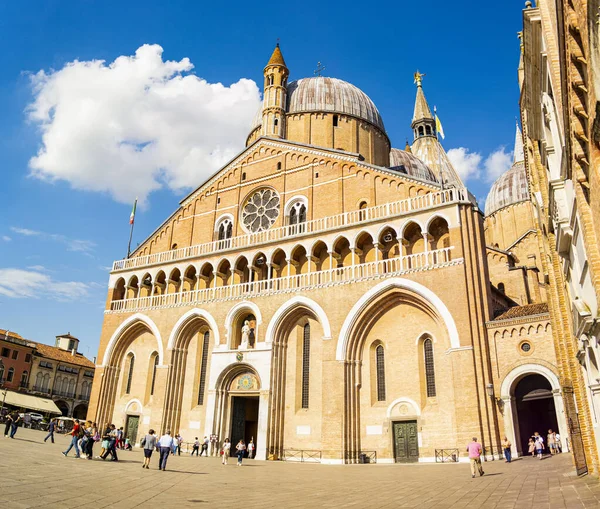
[(334, 298)]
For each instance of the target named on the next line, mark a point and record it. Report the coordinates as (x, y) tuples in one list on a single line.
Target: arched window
[(11, 375), (130, 374), (297, 216), (429, 367), (305, 365), (39, 380), (71, 389), (153, 374), (46, 383), (380, 368), (428, 130), (225, 229), (275, 122), (202, 383), (420, 130), (362, 206), (2, 373), (24, 379)]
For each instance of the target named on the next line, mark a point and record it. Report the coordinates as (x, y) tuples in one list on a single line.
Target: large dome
[(405, 162), (330, 94), (510, 188)]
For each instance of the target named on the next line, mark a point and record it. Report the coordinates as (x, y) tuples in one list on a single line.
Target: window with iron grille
[(202, 383), (380, 367), (130, 375), (305, 365), (154, 374), (429, 368)]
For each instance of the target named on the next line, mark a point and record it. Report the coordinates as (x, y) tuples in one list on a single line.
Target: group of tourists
[(168, 445), (536, 446)]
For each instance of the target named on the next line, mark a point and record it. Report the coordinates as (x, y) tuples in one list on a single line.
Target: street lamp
[(489, 388)]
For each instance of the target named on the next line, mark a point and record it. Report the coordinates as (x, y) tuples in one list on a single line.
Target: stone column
[(263, 419)]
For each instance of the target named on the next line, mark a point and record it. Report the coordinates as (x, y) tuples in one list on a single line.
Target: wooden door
[(131, 428), (406, 442)]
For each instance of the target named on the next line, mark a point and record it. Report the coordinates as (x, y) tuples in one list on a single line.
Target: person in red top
[(74, 438), (475, 450)]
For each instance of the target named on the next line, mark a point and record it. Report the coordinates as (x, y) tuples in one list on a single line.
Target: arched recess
[(223, 424), (237, 313), (510, 403), (289, 315), (116, 349), (354, 334), (189, 327)]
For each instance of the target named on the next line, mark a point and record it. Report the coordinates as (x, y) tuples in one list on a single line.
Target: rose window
[(261, 210)]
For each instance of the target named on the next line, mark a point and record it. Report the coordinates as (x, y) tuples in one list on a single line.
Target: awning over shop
[(18, 399)]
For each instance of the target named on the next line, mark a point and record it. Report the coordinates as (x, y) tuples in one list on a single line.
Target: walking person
[(165, 445), (551, 441), (110, 434), (539, 445), (74, 439), (251, 449), (226, 451), (506, 446), (149, 444), (179, 444), (204, 446), (558, 442), (14, 425), (8, 425), (51, 429), (93, 437), (531, 446), (196, 447), (475, 450), (241, 450), (119, 443)]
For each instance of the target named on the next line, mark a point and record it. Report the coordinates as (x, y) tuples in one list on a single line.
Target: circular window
[(261, 210), (526, 347)]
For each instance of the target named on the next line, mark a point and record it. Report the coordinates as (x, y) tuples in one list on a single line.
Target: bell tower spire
[(275, 95), (423, 123)]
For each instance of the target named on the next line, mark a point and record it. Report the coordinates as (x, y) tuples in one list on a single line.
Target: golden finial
[(419, 78)]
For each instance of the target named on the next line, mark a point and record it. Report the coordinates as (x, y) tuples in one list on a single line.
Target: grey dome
[(509, 188), (405, 162)]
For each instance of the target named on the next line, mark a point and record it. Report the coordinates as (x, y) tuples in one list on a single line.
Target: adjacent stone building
[(325, 292), (560, 78), (15, 356)]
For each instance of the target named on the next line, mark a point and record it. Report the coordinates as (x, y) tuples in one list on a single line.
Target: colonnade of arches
[(344, 251)]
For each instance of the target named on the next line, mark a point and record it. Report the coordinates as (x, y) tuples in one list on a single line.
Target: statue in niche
[(245, 335), (252, 337)]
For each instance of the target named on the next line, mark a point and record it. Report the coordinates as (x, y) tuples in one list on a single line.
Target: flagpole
[(132, 222), (437, 136)]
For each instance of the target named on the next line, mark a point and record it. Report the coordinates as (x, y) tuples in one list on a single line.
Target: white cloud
[(81, 246), (19, 284), (137, 124), (497, 163), (472, 166), (6, 238), (465, 163)]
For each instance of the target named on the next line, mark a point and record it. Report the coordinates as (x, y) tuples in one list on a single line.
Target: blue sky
[(65, 213)]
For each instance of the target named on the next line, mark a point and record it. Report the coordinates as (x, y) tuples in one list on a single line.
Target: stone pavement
[(34, 474)]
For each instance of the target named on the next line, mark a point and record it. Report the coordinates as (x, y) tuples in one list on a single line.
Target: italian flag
[(132, 216)]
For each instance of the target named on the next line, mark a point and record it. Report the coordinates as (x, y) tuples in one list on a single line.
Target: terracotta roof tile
[(52, 352), (521, 311)]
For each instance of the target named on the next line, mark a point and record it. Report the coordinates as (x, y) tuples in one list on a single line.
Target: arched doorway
[(532, 401), (240, 407), (63, 407), (536, 410), (80, 411)]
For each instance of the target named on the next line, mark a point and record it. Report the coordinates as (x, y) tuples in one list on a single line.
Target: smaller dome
[(510, 188), (405, 162)]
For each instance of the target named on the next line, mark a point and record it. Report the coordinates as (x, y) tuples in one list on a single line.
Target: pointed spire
[(276, 57), (519, 152), (422, 110), (407, 147)]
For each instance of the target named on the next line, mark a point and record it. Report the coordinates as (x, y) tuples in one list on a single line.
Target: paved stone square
[(34, 474)]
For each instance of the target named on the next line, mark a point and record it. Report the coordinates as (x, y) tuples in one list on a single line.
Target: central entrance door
[(406, 442), (244, 420), (131, 428)]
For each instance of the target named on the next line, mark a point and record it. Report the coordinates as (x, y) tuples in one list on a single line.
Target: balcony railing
[(64, 394), (342, 275), (383, 211), (83, 397), (36, 388)]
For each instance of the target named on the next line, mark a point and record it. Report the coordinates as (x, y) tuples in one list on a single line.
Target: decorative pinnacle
[(419, 78), (320, 68)]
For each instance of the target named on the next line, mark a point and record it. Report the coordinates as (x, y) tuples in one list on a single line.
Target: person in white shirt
[(226, 451), (165, 445), (251, 449)]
